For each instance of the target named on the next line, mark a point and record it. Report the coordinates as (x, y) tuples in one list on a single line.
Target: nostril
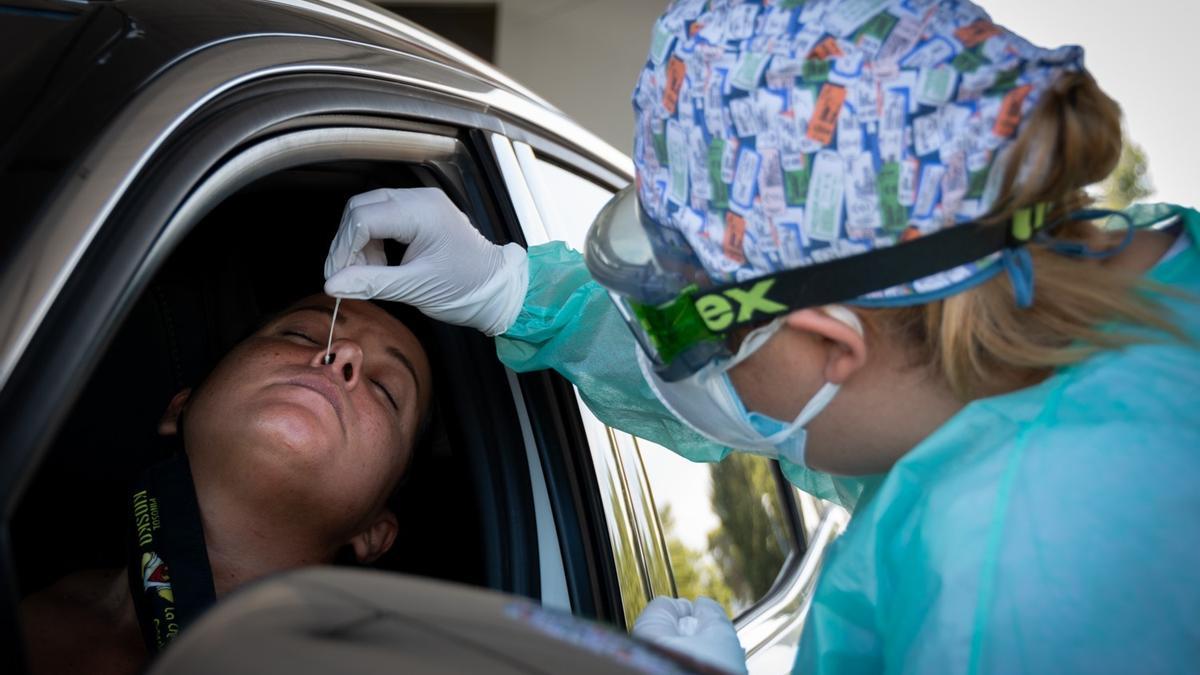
[(347, 372)]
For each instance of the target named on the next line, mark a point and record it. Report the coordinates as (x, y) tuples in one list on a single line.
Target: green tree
[(1130, 181), (749, 546)]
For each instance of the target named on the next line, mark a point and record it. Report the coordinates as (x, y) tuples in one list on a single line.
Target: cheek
[(748, 384), (778, 379), (219, 393), (756, 378), (227, 395), (377, 451)]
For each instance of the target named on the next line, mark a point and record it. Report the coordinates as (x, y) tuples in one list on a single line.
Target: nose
[(345, 360)]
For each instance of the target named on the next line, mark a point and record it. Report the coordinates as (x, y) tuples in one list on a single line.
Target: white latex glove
[(697, 629), (449, 272)]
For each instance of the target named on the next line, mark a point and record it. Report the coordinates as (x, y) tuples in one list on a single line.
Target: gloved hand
[(449, 272), (697, 629)]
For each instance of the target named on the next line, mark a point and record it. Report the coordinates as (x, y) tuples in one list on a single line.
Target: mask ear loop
[(750, 344), (824, 396)]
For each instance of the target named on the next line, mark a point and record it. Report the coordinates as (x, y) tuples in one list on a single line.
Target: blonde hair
[(979, 341)]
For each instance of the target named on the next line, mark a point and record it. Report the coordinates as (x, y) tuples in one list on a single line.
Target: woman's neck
[(906, 406), (245, 544)]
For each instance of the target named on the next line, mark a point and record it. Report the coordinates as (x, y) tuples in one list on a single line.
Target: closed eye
[(386, 393), (300, 335)]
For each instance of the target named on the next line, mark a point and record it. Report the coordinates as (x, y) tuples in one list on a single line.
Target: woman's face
[(276, 424), (811, 349)]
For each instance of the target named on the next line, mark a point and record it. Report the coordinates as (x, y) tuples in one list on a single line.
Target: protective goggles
[(683, 320)]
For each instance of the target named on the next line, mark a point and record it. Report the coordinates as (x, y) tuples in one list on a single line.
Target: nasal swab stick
[(337, 303)]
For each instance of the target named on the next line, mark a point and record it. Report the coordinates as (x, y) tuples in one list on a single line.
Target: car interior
[(460, 506)]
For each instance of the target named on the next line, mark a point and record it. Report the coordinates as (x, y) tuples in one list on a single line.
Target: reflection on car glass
[(726, 528)]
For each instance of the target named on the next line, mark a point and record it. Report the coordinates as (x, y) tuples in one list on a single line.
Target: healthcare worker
[(859, 242)]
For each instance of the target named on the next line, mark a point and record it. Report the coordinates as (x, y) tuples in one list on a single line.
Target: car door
[(221, 122), (675, 527)]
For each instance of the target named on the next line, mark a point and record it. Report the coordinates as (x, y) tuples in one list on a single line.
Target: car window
[(568, 202), (728, 531)]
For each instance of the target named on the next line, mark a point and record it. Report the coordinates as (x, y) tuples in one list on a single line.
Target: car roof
[(72, 65), (68, 37), (89, 58)]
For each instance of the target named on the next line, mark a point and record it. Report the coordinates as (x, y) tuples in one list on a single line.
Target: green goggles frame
[(696, 317)]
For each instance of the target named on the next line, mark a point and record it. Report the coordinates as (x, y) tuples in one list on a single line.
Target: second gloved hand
[(699, 629), (450, 271)]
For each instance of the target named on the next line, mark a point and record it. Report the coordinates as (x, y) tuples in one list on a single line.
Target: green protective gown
[(1055, 529)]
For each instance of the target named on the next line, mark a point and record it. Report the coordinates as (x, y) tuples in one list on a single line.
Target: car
[(173, 169)]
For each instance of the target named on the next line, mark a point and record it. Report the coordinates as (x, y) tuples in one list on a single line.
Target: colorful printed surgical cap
[(774, 135)]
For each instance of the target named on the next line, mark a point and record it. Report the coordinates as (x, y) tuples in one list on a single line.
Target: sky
[(1143, 55)]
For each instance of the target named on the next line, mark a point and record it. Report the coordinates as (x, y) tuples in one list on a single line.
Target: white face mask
[(708, 403)]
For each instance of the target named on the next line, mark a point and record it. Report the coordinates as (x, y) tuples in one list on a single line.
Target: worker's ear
[(376, 538), (846, 351), (169, 424)]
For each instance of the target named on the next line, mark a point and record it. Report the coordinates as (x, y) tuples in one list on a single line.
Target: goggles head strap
[(713, 312)]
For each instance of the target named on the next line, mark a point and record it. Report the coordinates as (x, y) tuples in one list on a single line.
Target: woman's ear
[(169, 424), (377, 538), (847, 348)]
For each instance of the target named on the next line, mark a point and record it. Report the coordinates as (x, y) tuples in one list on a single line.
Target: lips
[(328, 390)]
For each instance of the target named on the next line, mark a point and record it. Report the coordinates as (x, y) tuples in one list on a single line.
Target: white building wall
[(581, 55)]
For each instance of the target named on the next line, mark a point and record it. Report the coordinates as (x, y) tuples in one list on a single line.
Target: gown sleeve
[(569, 324)]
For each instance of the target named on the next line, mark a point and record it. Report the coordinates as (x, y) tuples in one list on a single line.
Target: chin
[(298, 436)]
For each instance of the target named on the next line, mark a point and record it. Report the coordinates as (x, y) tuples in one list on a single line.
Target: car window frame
[(623, 585)]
